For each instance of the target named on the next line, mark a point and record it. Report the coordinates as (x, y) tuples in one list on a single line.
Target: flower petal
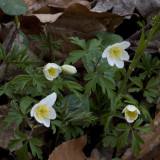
[(123, 45), (124, 56), (131, 108), (33, 110), (124, 109), (37, 119), (49, 100), (110, 60), (119, 63), (46, 122), (106, 52), (52, 113), (129, 120)]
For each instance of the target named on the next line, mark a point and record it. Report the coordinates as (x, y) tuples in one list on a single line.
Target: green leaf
[(14, 142), (25, 103), (78, 42), (93, 44), (88, 63), (122, 127), (138, 123), (109, 38), (20, 134), (145, 129), (33, 143), (13, 7), (130, 100), (22, 153), (136, 140), (74, 56), (91, 85), (134, 89), (153, 82), (122, 140), (137, 81), (109, 141), (107, 84), (117, 159), (146, 113)]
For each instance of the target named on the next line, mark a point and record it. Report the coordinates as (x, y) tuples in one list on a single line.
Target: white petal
[(110, 60), (131, 108), (52, 113), (49, 100), (124, 109), (123, 45), (37, 119), (106, 52), (59, 69), (33, 110), (129, 120), (46, 122), (124, 56), (119, 63)]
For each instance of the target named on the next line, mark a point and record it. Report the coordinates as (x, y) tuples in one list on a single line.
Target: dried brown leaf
[(71, 150), (34, 5), (122, 7), (47, 18), (78, 21), (67, 3)]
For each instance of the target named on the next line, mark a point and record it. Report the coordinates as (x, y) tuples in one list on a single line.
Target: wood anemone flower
[(131, 113), (68, 69), (116, 54), (51, 71), (43, 110)]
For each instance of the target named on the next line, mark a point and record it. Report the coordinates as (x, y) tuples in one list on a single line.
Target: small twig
[(130, 14)]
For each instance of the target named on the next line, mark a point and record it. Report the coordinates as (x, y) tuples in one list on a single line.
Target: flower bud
[(68, 69)]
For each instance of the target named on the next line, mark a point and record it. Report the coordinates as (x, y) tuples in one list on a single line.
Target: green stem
[(16, 20)]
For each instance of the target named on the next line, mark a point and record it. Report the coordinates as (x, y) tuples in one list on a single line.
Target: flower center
[(115, 52), (42, 112), (52, 71), (130, 114)]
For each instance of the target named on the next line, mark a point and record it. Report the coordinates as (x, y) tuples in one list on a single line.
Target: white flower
[(51, 71), (116, 54), (131, 113), (68, 69), (43, 110)]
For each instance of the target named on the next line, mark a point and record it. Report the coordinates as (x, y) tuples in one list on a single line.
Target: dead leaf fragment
[(34, 5), (71, 150), (67, 3)]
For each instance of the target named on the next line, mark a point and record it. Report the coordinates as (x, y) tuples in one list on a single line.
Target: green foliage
[(74, 115), (46, 43), (22, 153), (14, 114), (34, 146), (16, 57), (109, 141), (151, 90), (136, 141), (16, 7)]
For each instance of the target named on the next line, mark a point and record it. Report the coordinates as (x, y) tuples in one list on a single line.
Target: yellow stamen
[(42, 112), (130, 114), (52, 71), (115, 52)]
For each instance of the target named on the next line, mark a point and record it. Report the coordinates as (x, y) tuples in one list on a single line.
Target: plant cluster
[(104, 89)]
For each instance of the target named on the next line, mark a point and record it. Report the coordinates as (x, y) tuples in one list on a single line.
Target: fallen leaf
[(71, 150), (67, 3), (122, 7), (77, 20), (33, 5)]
